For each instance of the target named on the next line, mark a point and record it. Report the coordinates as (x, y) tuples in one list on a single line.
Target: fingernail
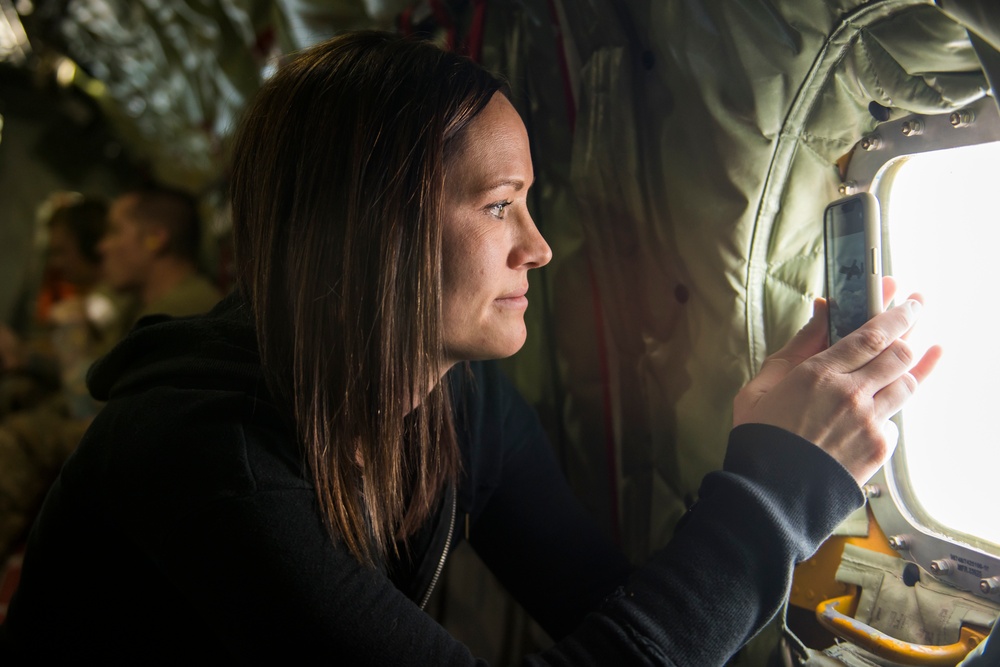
[(915, 306)]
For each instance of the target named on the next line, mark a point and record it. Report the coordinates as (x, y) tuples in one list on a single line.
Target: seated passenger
[(38, 433), (283, 478), (149, 244), (85, 320), (151, 252)]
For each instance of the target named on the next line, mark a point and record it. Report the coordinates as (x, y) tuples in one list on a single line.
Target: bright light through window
[(944, 235)]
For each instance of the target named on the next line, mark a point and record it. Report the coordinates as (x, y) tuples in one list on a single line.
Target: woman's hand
[(842, 397)]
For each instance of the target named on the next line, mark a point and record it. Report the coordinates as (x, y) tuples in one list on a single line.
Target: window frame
[(958, 559)]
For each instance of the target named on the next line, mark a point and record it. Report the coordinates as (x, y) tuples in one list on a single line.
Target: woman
[(285, 476)]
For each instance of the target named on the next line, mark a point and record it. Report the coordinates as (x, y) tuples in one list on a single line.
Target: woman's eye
[(499, 209)]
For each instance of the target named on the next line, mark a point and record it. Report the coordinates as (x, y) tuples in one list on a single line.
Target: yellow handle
[(888, 647)]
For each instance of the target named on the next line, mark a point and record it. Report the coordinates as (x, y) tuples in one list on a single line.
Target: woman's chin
[(497, 347)]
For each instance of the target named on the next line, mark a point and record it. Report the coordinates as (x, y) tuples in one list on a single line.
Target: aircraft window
[(943, 227)]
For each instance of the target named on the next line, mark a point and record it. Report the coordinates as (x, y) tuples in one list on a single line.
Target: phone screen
[(846, 267)]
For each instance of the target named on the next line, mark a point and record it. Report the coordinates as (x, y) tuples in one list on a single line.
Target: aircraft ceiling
[(171, 75)]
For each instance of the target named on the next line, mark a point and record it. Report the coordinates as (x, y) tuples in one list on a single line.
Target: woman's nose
[(531, 251)]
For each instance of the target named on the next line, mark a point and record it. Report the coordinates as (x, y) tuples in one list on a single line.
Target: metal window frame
[(961, 560)]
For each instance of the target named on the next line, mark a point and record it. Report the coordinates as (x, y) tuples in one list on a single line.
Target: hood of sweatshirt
[(217, 350)]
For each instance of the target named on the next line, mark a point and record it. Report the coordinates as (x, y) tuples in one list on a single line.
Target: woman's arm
[(727, 569), (776, 499), (262, 572), (698, 600)]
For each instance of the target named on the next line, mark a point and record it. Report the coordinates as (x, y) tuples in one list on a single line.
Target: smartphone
[(852, 230)]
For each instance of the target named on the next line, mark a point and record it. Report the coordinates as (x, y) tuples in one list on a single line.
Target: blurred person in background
[(137, 257), (150, 251), (77, 317), (44, 402)]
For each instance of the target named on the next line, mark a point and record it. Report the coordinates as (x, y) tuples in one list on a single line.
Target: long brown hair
[(337, 194)]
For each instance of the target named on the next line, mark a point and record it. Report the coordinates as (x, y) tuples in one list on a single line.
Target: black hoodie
[(185, 527)]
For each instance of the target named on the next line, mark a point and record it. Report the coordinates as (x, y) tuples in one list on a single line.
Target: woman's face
[(489, 239), (126, 251)]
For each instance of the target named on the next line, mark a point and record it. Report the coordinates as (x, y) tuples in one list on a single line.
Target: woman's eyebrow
[(515, 183)]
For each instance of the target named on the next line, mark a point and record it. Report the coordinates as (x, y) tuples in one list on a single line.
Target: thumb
[(809, 341)]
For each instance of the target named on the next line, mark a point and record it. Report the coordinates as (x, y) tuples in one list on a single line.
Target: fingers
[(810, 340), (895, 360), (859, 348), (916, 297), (927, 363), (888, 291), (890, 399)]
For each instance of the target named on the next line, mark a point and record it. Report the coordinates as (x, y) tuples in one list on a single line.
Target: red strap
[(406, 21), (10, 576)]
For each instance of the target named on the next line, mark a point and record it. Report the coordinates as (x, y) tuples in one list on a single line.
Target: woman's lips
[(514, 299)]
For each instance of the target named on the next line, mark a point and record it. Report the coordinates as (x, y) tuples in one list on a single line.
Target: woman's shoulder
[(169, 450)]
